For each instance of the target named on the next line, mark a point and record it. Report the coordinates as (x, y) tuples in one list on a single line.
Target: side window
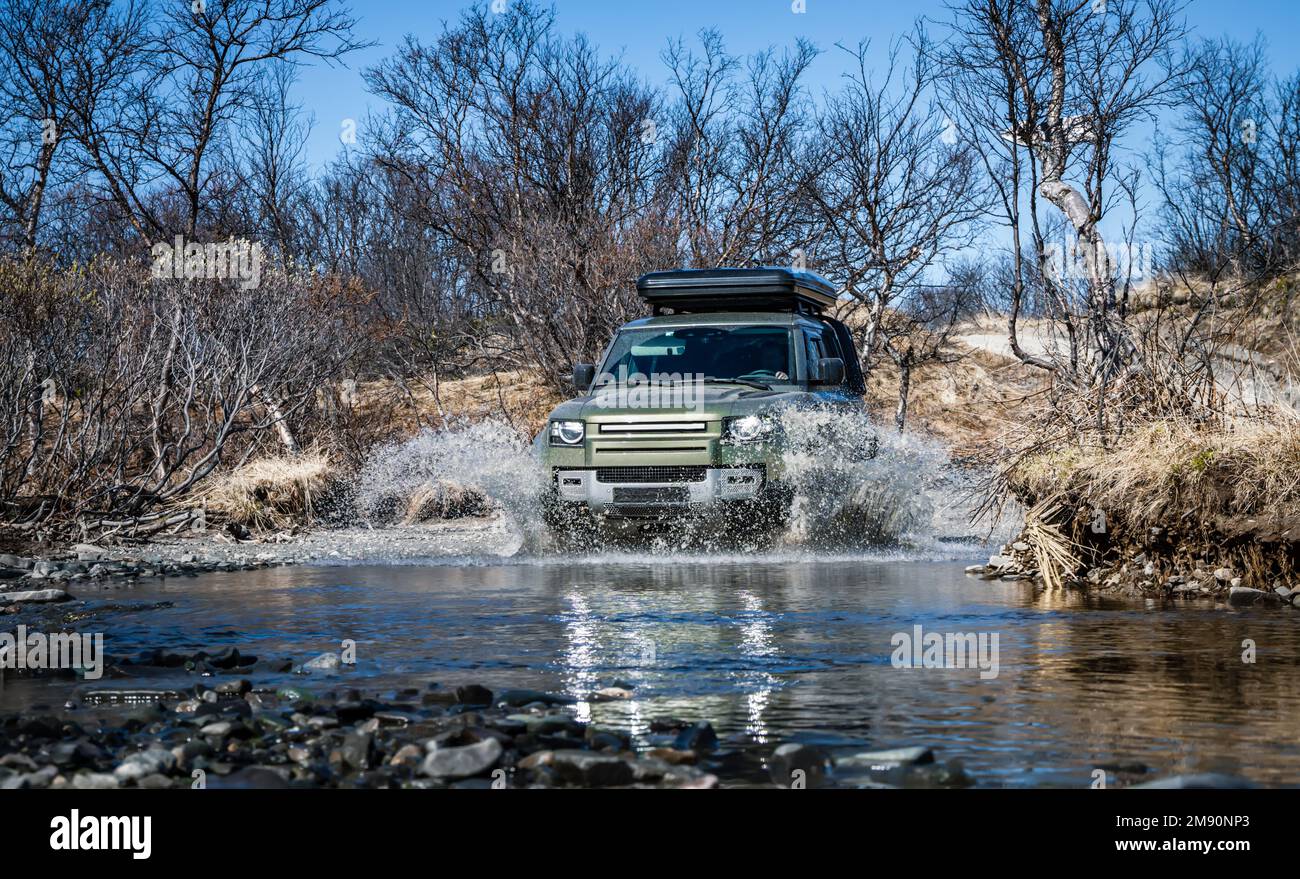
[(832, 344), (815, 351)]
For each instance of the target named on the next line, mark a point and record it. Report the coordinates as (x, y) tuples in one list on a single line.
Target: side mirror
[(583, 375), (832, 369)]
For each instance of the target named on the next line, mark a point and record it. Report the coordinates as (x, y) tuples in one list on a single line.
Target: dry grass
[(270, 493), (1053, 551), (1175, 469), (518, 397)]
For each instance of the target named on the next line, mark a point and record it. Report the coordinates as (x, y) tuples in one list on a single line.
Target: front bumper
[(621, 492)]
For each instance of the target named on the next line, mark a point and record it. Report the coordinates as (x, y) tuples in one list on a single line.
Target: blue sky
[(638, 31)]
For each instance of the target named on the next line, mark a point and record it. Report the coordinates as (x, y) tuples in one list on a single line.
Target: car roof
[(722, 318)]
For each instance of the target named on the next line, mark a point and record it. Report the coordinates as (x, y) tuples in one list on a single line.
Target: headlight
[(746, 429), (567, 433)]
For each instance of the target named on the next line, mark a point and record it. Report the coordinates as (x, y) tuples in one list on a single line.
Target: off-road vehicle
[(683, 417)]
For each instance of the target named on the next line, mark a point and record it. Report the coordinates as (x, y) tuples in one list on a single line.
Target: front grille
[(684, 473), (672, 494)]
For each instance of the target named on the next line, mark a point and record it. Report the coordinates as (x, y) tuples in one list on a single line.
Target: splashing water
[(486, 456), (855, 486)]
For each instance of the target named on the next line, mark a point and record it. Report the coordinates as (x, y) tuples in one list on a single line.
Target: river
[(774, 648)]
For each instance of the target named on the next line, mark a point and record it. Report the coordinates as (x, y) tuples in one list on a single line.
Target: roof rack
[(762, 289)]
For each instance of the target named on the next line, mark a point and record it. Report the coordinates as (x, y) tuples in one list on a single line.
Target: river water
[(774, 648)]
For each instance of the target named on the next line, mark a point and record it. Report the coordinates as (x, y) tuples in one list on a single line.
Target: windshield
[(749, 353)]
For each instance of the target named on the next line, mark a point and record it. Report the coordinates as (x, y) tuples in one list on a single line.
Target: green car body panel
[(643, 456)]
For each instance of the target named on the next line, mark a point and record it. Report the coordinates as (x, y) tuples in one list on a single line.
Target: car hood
[(709, 402)]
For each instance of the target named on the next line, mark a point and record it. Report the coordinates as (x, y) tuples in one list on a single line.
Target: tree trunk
[(904, 389)]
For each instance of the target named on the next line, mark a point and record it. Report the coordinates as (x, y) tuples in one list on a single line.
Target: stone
[(697, 737), (912, 756), (610, 694), (89, 552), (516, 698), (976, 569), (34, 595), (249, 778), (591, 770), (473, 694), (1223, 575), (1245, 595), (463, 762), (324, 662), (94, 781), (357, 749), (1198, 781), (791, 759), (142, 763)]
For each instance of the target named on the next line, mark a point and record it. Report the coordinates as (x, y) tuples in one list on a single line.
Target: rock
[(16, 562), (1223, 575), (324, 662), (697, 737), (591, 770), (1234, 582), (1284, 592), (473, 694), (1199, 781), (1020, 546), (610, 694), (220, 729), (34, 595), (88, 552), (1000, 561), (43, 569), (894, 757), (94, 781), (792, 758), (516, 698), (463, 762), (408, 755), (142, 763), (976, 569), (357, 750), (1246, 595), (673, 757), (249, 778)]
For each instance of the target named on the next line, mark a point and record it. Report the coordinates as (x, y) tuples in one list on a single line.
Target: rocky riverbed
[(227, 732)]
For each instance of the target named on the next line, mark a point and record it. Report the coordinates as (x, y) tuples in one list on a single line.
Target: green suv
[(684, 416)]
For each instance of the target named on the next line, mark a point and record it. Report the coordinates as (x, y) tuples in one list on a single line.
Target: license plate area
[(659, 494)]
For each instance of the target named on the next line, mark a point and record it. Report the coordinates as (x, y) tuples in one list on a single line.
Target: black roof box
[(763, 289)]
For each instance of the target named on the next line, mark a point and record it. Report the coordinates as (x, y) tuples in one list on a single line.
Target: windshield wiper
[(738, 381)]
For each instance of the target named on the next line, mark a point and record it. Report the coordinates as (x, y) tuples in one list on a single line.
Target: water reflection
[(766, 649)]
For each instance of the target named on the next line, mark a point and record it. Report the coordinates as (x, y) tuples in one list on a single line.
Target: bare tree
[(895, 193), (737, 154), (1059, 83)]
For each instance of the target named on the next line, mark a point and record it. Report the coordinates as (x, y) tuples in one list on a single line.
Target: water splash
[(855, 487), (487, 461), (855, 484)]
